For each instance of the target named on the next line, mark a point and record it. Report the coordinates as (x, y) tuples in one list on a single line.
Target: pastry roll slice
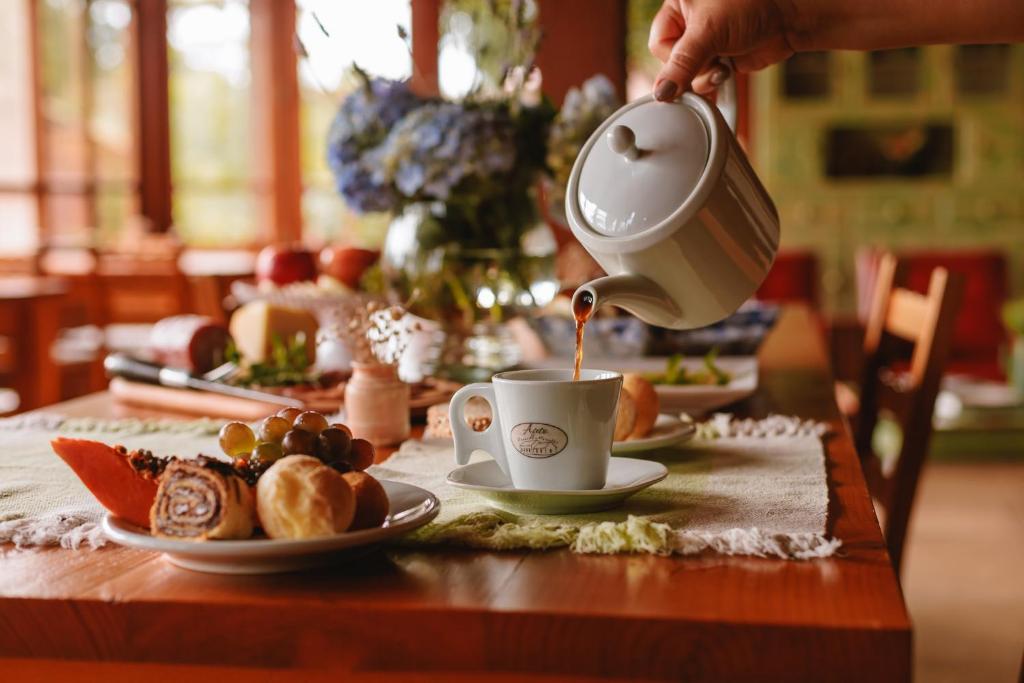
[(201, 499)]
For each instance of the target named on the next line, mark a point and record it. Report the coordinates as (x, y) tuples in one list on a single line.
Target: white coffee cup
[(547, 431)]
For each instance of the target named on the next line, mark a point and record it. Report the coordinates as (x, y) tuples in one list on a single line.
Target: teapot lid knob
[(622, 140)]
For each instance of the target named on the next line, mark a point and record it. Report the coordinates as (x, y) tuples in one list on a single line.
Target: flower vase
[(471, 291), (377, 404)]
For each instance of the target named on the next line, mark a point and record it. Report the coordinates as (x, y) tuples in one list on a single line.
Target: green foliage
[(288, 364), (500, 34), (1013, 316), (676, 373)]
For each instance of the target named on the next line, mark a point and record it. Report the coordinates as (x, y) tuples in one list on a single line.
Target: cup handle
[(467, 440)]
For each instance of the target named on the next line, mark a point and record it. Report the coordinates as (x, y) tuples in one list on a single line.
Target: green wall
[(977, 202)]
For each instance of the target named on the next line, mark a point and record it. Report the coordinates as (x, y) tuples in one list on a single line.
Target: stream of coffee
[(582, 309)]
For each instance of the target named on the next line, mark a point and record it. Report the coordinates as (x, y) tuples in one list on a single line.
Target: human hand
[(690, 35)]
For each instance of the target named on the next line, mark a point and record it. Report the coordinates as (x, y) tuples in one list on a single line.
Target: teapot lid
[(640, 167)]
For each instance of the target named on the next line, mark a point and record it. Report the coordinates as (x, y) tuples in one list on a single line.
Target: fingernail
[(665, 91), (719, 75)]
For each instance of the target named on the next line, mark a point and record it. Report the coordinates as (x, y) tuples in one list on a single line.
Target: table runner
[(741, 487)]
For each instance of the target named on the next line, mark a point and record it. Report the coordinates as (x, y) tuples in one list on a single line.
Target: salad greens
[(677, 374), (288, 364)]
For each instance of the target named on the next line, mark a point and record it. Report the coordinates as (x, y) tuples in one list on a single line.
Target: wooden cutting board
[(202, 403)]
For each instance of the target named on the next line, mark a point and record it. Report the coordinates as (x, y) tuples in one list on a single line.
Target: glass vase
[(472, 291)]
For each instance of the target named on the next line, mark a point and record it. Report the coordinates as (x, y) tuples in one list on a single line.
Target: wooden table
[(29, 319), (452, 614)]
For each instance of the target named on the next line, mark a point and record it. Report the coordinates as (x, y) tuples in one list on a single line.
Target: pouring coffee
[(664, 198)]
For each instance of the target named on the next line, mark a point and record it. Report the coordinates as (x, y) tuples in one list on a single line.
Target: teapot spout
[(635, 293)]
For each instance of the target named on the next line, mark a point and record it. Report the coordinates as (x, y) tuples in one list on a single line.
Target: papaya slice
[(110, 477)]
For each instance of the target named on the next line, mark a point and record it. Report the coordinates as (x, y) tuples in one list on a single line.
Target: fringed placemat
[(42, 502), (742, 487)]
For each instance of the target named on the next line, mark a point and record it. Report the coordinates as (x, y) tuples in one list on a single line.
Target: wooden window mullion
[(85, 72), (277, 180), (39, 128), (426, 33), (572, 52), (152, 104)]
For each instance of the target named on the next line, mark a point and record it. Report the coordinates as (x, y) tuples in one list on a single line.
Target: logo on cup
[(538, 440)]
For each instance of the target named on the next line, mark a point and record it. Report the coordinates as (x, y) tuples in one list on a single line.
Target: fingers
[(688, 57), (708, 80), (666, 28)]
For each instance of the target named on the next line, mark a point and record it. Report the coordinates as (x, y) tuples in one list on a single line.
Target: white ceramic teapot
[(663, 197)]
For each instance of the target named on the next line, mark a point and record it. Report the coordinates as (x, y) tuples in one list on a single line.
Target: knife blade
[(123, 365)]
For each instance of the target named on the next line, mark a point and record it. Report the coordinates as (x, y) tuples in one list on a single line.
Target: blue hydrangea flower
[(363, 121), (437, 147)]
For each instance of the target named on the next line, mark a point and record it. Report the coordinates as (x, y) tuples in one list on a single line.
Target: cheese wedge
[(255, 325)]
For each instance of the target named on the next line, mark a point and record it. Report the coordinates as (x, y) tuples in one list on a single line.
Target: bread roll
[(300, 497), (477, 413), (625, 419), (371, 500), (646, 400)]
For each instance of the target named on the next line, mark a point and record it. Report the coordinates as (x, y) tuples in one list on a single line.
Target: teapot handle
[(727, 99)]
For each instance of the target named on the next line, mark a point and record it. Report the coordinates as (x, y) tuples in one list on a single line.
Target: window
[(479, 41), (88, 180), (333, 38), (18, 208), (203, 115), (111, 119), (641, 66), (210, 92)]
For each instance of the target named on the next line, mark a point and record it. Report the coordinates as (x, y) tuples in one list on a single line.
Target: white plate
[(668, 430), (981, 393), (410, 507), (694, 399), (626, 476)]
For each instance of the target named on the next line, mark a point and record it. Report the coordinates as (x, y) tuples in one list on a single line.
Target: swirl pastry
[(201, 499)]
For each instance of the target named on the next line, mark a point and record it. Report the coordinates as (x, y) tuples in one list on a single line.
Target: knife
[(122, 365)]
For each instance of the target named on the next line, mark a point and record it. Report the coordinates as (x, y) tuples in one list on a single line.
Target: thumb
[(689, 55)]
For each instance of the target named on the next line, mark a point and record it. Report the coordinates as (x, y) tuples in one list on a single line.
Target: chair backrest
[(142, 290), (899, 318), (979, 337)]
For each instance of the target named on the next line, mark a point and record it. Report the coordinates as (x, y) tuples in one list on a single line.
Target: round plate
[(626, 476), (410, 507), (668, 430)]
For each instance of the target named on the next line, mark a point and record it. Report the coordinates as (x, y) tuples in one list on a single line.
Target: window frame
[(277, 183)]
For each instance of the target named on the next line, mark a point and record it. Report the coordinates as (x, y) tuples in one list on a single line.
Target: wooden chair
[(142, 291), (78, 351), (979, 339), (898, 318)]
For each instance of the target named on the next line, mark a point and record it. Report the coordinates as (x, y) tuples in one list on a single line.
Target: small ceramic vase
[(377, 404)]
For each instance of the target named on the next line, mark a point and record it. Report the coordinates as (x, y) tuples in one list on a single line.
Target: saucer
[(668, 430), (626, 476)]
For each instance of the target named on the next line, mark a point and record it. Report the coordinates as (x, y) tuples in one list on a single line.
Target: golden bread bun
[(625, 419), (300, 497), (646, 403), (477, 414), (646, 399), (371, 500)]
